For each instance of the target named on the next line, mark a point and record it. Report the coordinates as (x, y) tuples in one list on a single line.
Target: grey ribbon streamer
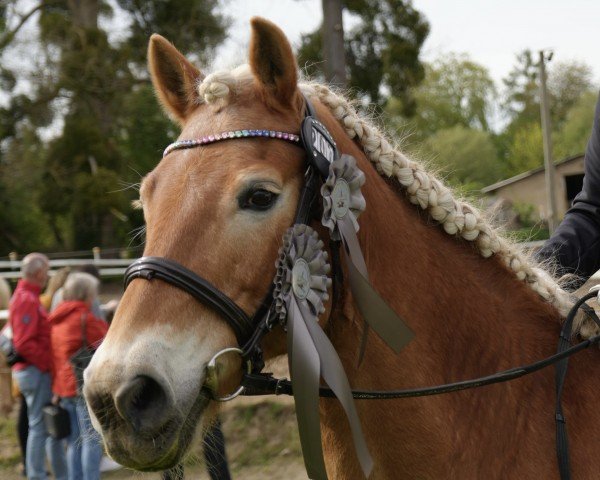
[(313, 355), (310, 353), (303, 360), (340, 216), (379, 315)]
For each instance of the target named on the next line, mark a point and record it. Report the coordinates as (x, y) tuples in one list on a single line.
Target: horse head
[(219, 210)]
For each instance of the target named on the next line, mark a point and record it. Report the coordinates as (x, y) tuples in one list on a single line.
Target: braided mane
[(457, 217)]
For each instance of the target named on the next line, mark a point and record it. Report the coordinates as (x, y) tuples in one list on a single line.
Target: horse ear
[(273, 62), (173, 76)]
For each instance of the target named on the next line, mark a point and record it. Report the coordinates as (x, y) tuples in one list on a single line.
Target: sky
[(491, 32)]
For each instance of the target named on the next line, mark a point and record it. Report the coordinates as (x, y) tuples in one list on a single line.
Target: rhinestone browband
[(180, 144)]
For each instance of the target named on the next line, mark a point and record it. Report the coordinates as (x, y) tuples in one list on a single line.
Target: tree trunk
[(333, 43)]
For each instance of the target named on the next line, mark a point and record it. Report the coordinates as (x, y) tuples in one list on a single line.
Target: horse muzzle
[(147, 415)]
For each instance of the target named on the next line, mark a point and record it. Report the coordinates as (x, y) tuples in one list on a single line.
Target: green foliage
[(575, 131), (527, 213), (466, 156), (527, 149), (455, 91), (567, 82), (144, 131), (195, 27), (23, 224), (522, 91), (382, 50), (112, 128), (530, 234)]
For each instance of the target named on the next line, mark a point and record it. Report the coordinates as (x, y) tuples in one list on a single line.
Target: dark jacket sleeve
[(575, 245)]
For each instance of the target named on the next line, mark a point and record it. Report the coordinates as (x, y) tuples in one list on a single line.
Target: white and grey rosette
[(343, 202), (301, 287), (302, 271), (341, 193)]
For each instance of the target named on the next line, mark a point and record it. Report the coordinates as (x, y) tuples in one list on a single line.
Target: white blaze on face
[(175, 357)]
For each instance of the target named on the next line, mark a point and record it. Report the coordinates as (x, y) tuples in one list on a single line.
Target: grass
[(10, 453), (261, 442), (267, 431)]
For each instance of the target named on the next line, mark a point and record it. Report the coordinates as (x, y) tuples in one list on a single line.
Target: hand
[(55, 399)]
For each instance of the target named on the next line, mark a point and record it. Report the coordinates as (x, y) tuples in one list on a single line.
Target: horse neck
[(473, 312)]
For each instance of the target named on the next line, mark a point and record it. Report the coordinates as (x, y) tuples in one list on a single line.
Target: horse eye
[(259, 199)]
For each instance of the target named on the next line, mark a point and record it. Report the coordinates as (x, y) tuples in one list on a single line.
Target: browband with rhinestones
[(289, 137)]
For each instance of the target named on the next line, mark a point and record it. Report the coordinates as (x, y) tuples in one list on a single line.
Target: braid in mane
[(456, 216)]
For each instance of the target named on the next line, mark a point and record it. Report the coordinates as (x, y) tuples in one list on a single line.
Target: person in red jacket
[(68, 321), (31, 338)]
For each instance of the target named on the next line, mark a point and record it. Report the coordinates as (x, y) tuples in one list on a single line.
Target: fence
[(108, 267)]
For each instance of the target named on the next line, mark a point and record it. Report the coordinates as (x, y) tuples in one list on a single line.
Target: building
[(530, 187)]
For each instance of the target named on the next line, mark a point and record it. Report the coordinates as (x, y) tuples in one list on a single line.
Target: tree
[(567, 82), (522, 91), (382, 50), (574, 133), (23, 224), (526, 151), (95, 97), (466, 156), (455, 91)]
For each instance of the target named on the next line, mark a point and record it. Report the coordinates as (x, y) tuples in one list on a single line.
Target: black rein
[(266, 384)]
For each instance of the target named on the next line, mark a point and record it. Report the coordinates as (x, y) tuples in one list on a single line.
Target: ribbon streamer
[(342, 203), (301, 287)]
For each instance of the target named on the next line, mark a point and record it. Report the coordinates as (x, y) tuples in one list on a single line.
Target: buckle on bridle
[(211, 375)]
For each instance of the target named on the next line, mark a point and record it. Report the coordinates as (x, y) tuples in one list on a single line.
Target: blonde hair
[(56, 281), (80, 286)]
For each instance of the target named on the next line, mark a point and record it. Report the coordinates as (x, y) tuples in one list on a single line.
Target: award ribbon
[(301, 289), (343, 202)]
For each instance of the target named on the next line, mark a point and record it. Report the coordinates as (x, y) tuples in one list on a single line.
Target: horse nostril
[(142, 402), (101, 404)]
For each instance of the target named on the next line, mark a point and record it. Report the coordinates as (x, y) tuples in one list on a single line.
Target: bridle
[(249, 331)]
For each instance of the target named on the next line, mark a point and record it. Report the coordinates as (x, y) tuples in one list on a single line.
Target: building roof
[(495, 186)]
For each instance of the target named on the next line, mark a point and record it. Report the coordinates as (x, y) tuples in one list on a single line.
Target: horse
[(475, 302)]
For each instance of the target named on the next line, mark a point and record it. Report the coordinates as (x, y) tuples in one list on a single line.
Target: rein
[(266, 384)]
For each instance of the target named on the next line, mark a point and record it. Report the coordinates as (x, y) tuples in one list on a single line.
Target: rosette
[(302, 271), (341, 193), (300, 293), (342, 204)]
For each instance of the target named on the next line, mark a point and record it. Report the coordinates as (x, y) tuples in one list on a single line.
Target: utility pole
[(546, 132), (333, 42)]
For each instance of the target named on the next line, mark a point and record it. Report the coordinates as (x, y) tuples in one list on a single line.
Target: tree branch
[(10, 34)]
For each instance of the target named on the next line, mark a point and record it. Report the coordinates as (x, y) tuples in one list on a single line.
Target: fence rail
[(108, 267)]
